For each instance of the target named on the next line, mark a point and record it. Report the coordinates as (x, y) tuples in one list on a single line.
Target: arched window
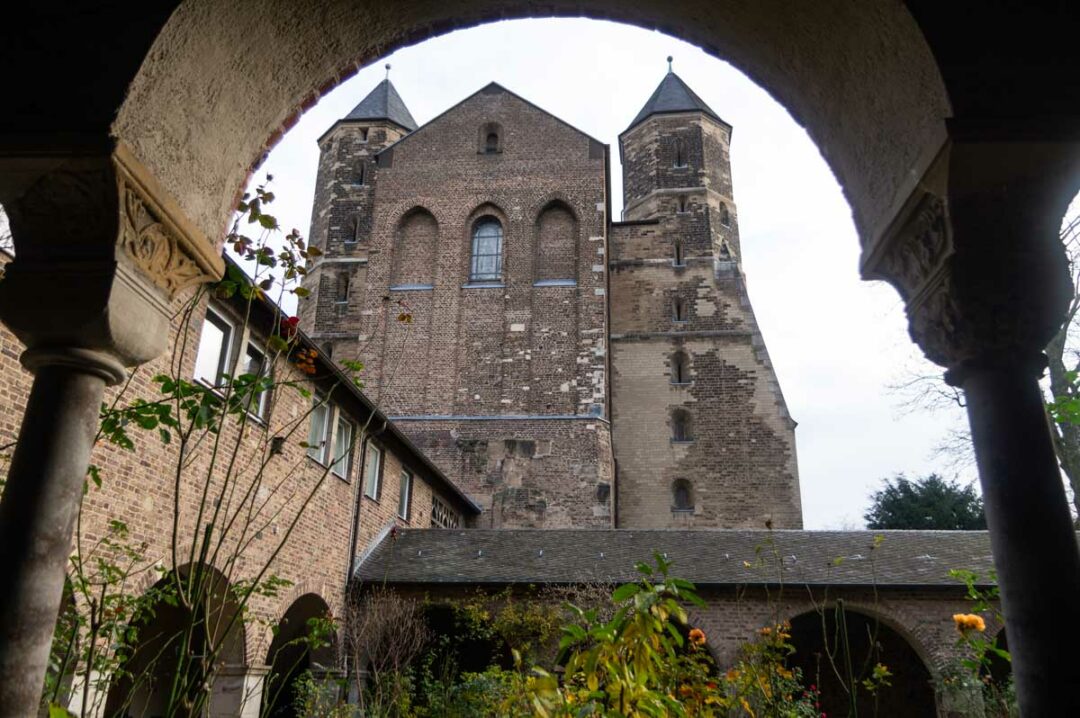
[(725, 216), (678, 253), (486, 263), (682, 496), (678, 310), (489, 139), (680, 426), (680, 152), (680, 368)]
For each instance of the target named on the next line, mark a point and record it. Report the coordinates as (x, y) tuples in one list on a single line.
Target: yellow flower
[(969, 622), (697, 637)]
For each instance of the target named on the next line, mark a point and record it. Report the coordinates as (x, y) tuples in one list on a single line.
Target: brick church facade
[(564, 368)]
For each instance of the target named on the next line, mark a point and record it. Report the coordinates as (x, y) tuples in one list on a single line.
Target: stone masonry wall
[(533, 343)]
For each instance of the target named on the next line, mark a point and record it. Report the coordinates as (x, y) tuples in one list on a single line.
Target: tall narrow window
[(680, 152), (341, 289), (486, 265), (680, 426), (318, 446), (556, 245), (361, 174), (725, 216), (255, 365), (678, 310), (682, 498), (682, 203), (491, 143), (373, 472), (363, 134), (212, 359), (680, 369), (353, 234), (678, 252), (343, 437), (405, 496)]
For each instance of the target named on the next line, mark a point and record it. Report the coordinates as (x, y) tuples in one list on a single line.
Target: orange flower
[(969, 622), (697, 637)]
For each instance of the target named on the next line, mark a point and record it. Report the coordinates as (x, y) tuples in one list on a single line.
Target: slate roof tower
[(701, 432)]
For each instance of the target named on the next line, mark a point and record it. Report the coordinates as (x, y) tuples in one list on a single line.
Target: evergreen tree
[(927, 503)]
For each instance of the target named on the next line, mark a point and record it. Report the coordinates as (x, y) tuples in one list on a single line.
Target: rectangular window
[(212, 359), (442, 516), (373, 472), (255, 364), (318, 446), (343, 437), (405, 495)]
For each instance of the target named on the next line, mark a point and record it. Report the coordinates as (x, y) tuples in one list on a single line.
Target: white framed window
[(343, 437), (255, 363), (373, 472), (215, 349), (405, 496), (318, 438)]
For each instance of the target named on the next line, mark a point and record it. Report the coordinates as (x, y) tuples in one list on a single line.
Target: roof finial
[(669, 59), (388, 71)]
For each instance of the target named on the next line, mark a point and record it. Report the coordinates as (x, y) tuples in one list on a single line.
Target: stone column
[(100, 251), (976, 256), (238, 692)]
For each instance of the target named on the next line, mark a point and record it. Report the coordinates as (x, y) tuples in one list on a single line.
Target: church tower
[(343, 214), (701, 432)]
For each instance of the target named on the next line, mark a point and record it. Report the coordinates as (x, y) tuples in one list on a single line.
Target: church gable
[(492, 122)]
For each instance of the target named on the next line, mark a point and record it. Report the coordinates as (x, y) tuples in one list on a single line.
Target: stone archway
[(292, 653), (865, 640), (173, 640)]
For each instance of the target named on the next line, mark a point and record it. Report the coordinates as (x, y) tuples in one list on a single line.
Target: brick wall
[(138, 487), (533, 343)]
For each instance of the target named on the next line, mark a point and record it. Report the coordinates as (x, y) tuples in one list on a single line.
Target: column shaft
[(1032, 536), (37, 515)]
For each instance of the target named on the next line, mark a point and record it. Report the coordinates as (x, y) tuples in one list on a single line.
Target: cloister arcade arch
[(956, 148), (865, 640), (293, 651)]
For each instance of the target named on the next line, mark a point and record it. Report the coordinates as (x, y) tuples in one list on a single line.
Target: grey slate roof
[(673, 95), (706, 557), (383, 103)]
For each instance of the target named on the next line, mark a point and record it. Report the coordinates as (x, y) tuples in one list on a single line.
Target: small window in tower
[(678, 253), (363, 134), (341, 293), (680, 368), (360, 175), (725, 216), (352, 236), (681, 432), (682, 496), (680, 152), (682, 203), (678, 310)]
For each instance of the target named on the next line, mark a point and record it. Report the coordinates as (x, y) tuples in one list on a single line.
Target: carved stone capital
[(983, 280), (100, 252)]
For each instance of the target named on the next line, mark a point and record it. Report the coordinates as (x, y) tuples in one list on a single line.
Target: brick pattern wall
[(138, 488), (534, 343), (677, 291)]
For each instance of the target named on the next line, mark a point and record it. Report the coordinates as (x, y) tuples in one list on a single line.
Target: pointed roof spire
[(384, 103), (673, 95)]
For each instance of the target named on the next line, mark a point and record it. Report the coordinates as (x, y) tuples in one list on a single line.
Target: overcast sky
[(837, 343)]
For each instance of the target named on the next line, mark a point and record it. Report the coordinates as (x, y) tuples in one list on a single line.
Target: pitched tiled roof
[(673, 95), (706, 557), (383, 103)]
